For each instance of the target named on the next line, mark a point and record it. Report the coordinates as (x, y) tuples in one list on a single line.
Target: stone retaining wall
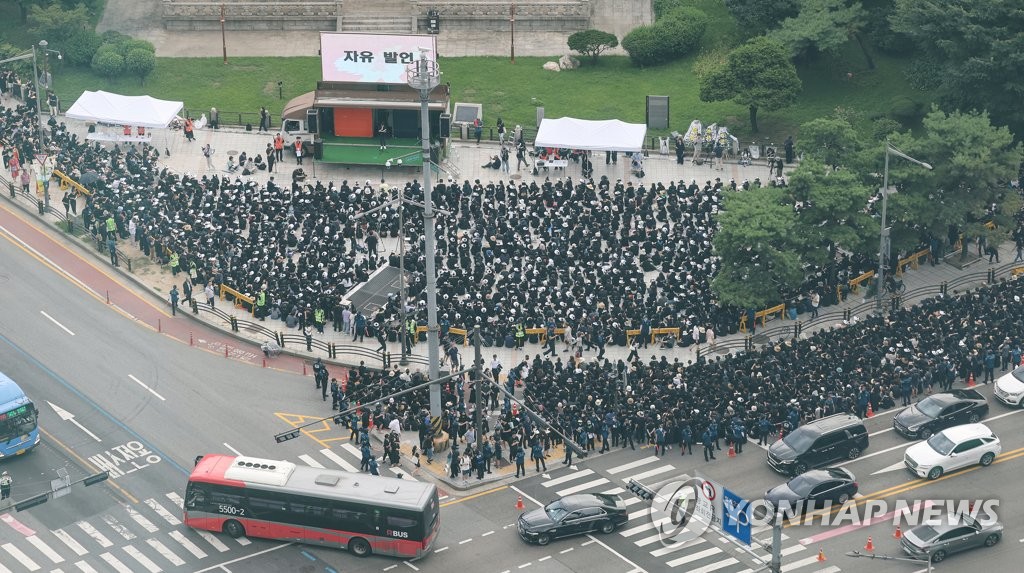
[(560, 16), (251, 15)]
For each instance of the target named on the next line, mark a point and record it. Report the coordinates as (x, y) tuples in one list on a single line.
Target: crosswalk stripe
[(695, 556), (581, 487), (162, 512), (92, 532), (715, 566), (792, 549), (120, 529), (142, 559), (243, 541), (614, 491), (4, 569), (644, 527), (647, 474), (638, 513), (798, 564), (352, 450), (45, 549), (115, 563), (174, 497), (70, 542), (165, 552), (631, 465), (631, 500), (829, 569), (329, 454), (84, 567), (677, 547), (187, 544), (309, 461), (648, 540), (568, 477), (21, 557), (209, 537), (141, 519)]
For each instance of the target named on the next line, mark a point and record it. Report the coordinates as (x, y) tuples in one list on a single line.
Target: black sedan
[(813, 489), (940, 411), (572, 515)]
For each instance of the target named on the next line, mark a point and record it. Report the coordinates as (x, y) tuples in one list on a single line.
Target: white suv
[(953, 448), (1010, 387)]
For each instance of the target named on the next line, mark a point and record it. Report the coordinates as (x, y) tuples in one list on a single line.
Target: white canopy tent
[(606, 135), (134, 111)]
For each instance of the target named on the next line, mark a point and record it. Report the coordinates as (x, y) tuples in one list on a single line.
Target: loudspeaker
[(540, 115), (318, 149), (312, 121), (657, 112), (445, 125)]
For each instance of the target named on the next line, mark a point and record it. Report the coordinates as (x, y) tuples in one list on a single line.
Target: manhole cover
[(516, 176), (232, 152)]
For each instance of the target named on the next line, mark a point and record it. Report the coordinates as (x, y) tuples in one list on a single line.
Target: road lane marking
[(614, 491), (162, 512), (564, 551), (84, 567), (21, 557), (244, 557), (86, 463), (165, 552), (390, 567), (233, 450), (787, 567), (216, 543), (116, 563), (695, 556), (243, 541), (525, 565), (898, 465), (644, 527), (476, 495), (120, 529), (677, 547), (545, 558), (142, 559), (871, 455), (329, 454), (411, 566), (647, 540), (151, 391), (174, 497), (465, 541), (45, 549), (568, 477), (488, 533), (834, 532), (445, 548), (70, 542), (309, 461), (631, 501), (54, 320), (141, 519), (586, 543), (92, 532), (187, 544), (647, 474), (631, 465), (581, 487)]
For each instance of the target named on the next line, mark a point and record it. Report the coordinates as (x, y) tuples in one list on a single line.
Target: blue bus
[(19, 420)]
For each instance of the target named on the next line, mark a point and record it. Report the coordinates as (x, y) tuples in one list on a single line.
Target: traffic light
[(640, 490), (285, 436), (339, 419), (96, 478), (32, 502)]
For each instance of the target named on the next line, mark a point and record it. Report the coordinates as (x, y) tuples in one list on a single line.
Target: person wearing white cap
[(6, 481)]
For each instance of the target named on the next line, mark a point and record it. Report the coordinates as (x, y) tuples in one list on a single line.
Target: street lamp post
[(884, 233), (424, 76)]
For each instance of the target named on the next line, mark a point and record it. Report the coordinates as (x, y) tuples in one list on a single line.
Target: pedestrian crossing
[(148, 537), (710, 553)]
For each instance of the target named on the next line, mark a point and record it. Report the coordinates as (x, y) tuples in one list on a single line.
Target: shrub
[(644, 46), (139, 62), (592, 42), (664, 7), (80, 47), (904, 110), (682, 30), (924, 74), (107, 62)]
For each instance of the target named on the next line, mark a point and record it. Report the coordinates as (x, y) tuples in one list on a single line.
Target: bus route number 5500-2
[(230, 510)]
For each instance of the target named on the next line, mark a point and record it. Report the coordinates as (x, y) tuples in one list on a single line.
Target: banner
[(371, 58)]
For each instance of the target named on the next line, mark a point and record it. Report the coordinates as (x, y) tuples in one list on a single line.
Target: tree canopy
[(830, 206), (755, 17), (822, 27), (592, 42), (832, 141)]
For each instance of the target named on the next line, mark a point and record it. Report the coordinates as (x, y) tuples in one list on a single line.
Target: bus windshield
[(18, 422)]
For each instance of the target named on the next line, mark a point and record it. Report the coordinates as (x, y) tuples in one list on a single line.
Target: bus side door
[(385, 541)]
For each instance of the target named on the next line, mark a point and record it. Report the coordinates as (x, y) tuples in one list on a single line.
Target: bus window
[(350, 520), (195, 496)]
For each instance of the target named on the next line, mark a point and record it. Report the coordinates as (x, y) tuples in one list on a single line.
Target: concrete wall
[(564, 15), (251, 15)]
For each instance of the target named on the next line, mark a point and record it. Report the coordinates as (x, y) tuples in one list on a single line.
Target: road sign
[(709, 502), (736, 521)]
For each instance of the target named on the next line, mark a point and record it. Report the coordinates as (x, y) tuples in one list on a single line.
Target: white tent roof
[(136, 111), (606, 135)]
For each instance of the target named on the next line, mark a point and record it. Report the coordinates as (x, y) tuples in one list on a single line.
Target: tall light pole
[(512, 29), (223, 34), (424, 76), (884, 233)]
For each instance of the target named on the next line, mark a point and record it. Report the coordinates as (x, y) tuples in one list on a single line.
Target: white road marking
[(243, 541), (45, 549), (648, 540), (714, 566), (638, 513), (233, 450), (165, 552), (581, 487), (586, 543), (390, 567), (329, 454), (173, 496), (525, 565), (786, 567), (896, 466), (677, 547), (70, 542), (614, 491), (54, 320), (187, 544), (162, 512), (99, 537), (120, 529), (115, 563), (84, 567), (564, 551), (695, 556), (411, 566), (644, 527), (309, 461), (834, 569), (142, 559), (631, 465), (871, 455), (21, 557), (545, 558), (352, 450), (465, 541), (568, 477), (647, 474), (488, 533), (445, 548), (873, 434), (216, 543), (141, 519), (631, 501), (151, 391)]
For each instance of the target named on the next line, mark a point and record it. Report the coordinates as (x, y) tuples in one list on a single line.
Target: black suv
[(819, 443)]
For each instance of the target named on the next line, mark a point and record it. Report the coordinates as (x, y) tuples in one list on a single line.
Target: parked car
[(813, 489), (1010, 388), (572, 515), (951, 449), (940, 411), (818, 443), (953, 534)]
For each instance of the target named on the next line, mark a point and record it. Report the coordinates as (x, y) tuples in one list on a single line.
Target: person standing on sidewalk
[(173, 298), (279, 147), (208, 154), (6, 481)]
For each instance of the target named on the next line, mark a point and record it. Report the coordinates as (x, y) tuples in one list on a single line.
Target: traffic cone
[(870, 546), (821, 554), (898, 534), (970, 380), (519, 504), (1021, 360), (732, 451), (871, 411)]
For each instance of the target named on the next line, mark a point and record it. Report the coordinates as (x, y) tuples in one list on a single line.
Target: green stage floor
[(371, 155), (375, 142)]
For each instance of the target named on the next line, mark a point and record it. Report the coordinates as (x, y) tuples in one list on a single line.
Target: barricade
[(913, 261), (240, 299)]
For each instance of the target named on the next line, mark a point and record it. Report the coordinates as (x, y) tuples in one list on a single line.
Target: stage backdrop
[(371, 58), (353, 122)]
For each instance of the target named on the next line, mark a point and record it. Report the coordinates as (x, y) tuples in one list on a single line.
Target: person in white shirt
[(395, 427)]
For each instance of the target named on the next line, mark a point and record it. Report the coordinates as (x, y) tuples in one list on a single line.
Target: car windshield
[(1019, 374), (555, 510), (799, 440), (926, 532), (930, 407), (941, 444), (801, 485)]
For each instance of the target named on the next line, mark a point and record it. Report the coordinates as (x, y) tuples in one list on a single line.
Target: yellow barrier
[(66, 182), (460, 332), (855, 283), (655, 332), (913, 261), (239, 298), (743, 322), (764, 314), (542, 333), (1016, 272)]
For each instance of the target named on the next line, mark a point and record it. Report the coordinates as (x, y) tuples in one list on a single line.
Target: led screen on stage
[(371, 58)]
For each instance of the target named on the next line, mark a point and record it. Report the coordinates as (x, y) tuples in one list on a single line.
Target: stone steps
[(380, 24)]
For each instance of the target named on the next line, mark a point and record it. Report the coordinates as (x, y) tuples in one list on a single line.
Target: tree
[(757, 244), (592, 42), (972, 161), (55, 24), (829, 140), (139, 62), (978, 45), (830, 206), (107, 62), (757, 74), (757, 16), (682, 29), (644, 46), (823, 27)]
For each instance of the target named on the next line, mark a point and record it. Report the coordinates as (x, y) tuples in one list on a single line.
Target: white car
[(951, 449), (1010, 387)]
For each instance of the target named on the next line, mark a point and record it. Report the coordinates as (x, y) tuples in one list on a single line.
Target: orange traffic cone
[(821, 554), (732, 451), (970, 380), (870, 546), (871, 412), (898, 534), (1021, 360), (519, 504)]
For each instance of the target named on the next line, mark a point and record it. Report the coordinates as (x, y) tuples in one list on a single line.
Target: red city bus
[(366, 514)]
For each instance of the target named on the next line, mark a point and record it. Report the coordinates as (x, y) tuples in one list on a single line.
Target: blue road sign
[(736, 516)]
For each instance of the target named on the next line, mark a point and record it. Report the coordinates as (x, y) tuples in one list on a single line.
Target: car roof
[(954, 396), (834, 422), (967, 431), (581, 500), (825, 474)]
